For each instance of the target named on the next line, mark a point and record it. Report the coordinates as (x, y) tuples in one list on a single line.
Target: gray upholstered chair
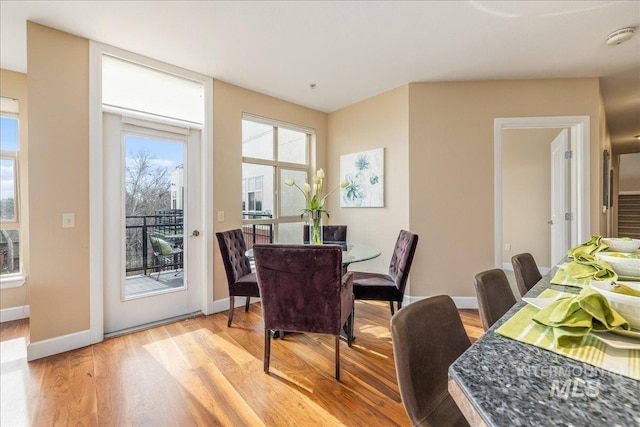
[(495, 296), (241, 281), (428, 336), (330, 233), (526, 272), (388, 287), (303, 290)]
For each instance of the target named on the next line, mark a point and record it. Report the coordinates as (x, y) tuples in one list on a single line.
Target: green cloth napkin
[(587, 267), (593, 246), (574, 317)]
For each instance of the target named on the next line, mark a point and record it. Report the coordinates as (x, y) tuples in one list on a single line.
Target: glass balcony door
[(152, 208)]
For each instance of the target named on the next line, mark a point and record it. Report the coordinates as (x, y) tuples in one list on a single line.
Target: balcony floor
[(139, 285)]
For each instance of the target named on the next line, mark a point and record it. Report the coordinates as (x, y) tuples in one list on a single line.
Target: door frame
[(580, 172), (559, 175), (96, 205)]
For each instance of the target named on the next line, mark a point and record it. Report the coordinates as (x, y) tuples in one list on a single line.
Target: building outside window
[(10, 265), (271, 152)]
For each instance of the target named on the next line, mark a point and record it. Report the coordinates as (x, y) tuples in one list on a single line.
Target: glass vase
[(315, 227)]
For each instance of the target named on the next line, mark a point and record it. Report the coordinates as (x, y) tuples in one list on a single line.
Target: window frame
[(277, 167), (10, 109)]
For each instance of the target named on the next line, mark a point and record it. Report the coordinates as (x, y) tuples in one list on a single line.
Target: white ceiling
[(353, 50)]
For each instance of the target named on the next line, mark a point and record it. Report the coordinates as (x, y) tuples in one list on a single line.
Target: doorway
[(577, 197), (152, 216)]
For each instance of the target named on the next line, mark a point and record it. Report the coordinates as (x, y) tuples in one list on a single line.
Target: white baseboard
[(223, 304), (14, 313), (44, 348), (460, 302), (465, 302)]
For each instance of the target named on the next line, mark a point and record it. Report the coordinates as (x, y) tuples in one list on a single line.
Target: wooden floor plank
[(199, 372)]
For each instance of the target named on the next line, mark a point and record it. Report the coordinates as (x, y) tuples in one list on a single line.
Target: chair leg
[(246, 304), (391, 307), (352, 322), (267, 349), (338, 357), (232, 304)]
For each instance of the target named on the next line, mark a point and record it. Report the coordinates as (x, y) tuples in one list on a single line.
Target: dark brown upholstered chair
[(303, 290), (428, 337), (388, 287), (330, 233), (526, 272), (242, 282), (495, 296)]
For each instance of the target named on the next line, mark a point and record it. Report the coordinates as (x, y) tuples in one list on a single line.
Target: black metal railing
[(167, 225), (257, 233)]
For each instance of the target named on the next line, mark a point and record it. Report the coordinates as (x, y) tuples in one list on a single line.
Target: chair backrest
[(526, 272), (428, 336), (403, 258), (495, 296), (300, 287), (330, 233), (232, 249)]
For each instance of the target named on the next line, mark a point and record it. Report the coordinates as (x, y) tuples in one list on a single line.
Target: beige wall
[(629, 172), (14, 85), (378, 122), (58, 82), (229, 102), (526, 189), (451, 168)]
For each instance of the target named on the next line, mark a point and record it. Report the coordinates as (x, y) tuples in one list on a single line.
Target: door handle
[(550, 222), (195, 233)]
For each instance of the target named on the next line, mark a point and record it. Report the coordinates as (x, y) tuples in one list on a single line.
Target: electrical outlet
[(220, 216)]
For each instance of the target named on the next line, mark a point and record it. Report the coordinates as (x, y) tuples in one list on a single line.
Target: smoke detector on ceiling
[(619, 36)]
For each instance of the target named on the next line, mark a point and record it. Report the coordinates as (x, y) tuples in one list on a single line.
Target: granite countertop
[(515, 384)]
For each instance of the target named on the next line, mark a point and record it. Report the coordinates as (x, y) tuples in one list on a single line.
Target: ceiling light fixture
[(619, 36)]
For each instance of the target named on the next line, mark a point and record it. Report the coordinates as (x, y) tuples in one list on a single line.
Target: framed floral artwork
[(364, 173)]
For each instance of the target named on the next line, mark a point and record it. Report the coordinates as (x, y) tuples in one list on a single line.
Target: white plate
[(539, 303), (615, 340), (621, 339)]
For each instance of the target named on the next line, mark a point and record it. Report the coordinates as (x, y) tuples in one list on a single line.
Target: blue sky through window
[(166, 153), (8, 134)]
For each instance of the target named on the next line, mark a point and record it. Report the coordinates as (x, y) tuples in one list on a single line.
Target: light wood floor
[(199, 372)]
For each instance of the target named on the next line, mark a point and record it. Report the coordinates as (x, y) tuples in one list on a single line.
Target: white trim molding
[(15, 313), (460, 302), (44, 348)]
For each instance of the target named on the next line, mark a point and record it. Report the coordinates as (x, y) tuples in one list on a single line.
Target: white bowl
[(628, 306), (623, 264), (617, 244)]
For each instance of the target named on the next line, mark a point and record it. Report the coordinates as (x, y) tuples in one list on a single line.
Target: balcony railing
[(257, 233), (167, 225)]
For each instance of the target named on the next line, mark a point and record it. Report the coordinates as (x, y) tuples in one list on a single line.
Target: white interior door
[(152, 214), (559, 228)]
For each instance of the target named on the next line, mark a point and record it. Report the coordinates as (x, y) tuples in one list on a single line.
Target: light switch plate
[(68, 220), (220, 216)]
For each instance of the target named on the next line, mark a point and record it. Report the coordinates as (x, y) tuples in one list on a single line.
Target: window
[(271, 152), (10, 265)]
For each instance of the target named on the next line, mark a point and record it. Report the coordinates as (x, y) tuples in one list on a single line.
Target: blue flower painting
[(364, 173)]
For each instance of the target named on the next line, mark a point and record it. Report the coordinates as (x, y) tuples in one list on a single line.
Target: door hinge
[(568, 216), (568, 154)]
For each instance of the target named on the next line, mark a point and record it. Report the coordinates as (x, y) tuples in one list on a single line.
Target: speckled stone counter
[(510, 383)]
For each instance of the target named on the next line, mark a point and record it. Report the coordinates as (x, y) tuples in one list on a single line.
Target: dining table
[(351, 252), (501, 381)]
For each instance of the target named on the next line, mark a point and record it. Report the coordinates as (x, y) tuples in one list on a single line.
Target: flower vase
[(315, 227)]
